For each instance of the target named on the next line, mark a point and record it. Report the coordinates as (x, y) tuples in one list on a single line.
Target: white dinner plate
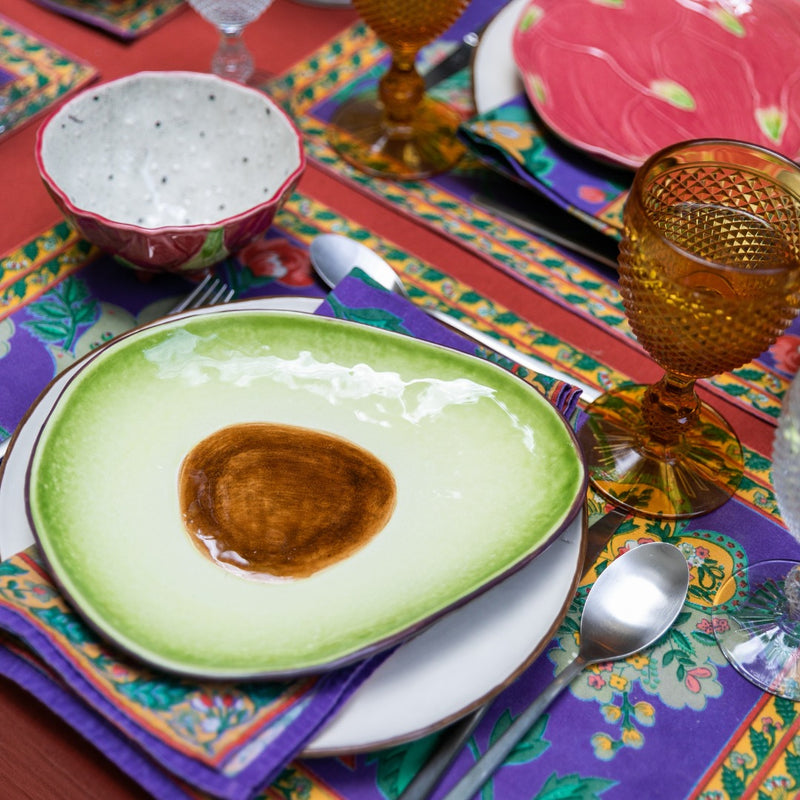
[(486, 642), (495, 77)]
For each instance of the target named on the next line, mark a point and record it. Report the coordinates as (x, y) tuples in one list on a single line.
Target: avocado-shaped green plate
[(247, 493)]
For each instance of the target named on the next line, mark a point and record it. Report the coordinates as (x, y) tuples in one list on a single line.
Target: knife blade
[(581, 240), (458, 59)]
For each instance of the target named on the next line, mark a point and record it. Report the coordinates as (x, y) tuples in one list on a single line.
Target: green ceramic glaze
[(487, 473)]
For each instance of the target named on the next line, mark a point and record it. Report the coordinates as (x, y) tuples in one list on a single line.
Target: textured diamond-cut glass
[(710, 276)]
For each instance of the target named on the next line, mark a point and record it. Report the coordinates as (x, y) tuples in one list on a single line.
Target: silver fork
[(212, 290)]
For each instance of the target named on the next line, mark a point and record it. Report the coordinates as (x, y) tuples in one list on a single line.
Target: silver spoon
[(333, 256), (630, 606), (454, 739)]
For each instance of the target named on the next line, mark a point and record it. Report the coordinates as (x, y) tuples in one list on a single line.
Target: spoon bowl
[(631, 605), (333, 256), (633, 602)]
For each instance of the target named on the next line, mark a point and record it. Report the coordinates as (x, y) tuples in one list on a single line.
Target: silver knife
[(458, 59), (595, 246)]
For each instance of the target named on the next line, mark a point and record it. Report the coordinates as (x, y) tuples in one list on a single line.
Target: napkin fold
[(126, 19), (176, 737), (512, 140), (35, 74)]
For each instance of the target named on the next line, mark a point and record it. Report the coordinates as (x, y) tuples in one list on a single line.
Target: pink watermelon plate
[(621, 79)]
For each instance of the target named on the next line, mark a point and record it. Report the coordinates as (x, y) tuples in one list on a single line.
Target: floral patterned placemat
[(208, 733), (127, 19), (34, 74), (676, 705)]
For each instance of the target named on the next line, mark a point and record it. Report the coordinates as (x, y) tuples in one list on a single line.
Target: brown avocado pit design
[(269, 500)]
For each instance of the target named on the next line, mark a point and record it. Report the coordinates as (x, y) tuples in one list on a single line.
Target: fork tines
[(210, 291)]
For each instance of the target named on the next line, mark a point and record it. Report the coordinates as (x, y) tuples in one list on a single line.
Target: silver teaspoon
[(630, 606)]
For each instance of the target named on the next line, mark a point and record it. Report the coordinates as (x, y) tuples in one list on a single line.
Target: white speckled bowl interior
[(170, 149), (170, 171)]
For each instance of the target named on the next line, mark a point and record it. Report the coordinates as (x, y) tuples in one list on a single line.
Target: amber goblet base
[(689, 472), (364, 135)]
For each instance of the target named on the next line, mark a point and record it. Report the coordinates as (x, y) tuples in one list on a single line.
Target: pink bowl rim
[(84, 213)]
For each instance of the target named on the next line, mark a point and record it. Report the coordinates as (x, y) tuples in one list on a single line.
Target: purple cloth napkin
[(44, 670), (511, 140)]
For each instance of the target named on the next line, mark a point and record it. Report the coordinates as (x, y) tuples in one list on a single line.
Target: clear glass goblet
[(757, 611), (397, 130), (230, 17), (709, 272)]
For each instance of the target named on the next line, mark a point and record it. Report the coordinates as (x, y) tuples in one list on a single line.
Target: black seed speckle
[(212, 97), (140, 220), (158, 123), (96, 98), (269, 110), (222, 206), (111, 177), (163, 179), (266, 190), (245, 159), (202, 134)]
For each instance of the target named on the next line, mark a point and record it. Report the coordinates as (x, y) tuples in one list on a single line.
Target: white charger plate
[(487, 643), (495, 77)]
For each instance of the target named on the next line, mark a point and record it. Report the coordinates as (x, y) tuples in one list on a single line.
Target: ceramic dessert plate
[(487, 642), (624, 79), (412, 692), (244, 493)]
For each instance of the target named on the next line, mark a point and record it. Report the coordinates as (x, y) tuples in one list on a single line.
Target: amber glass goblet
[(396, 130), (709, 272)]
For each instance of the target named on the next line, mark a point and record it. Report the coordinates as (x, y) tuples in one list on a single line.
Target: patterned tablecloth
[(34, 74), (677, 708), (674, 721), (126, 19)]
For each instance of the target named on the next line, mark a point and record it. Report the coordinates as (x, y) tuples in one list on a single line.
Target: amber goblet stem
[(670, 408), (395, 129), (401, 89), (658, 450)]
